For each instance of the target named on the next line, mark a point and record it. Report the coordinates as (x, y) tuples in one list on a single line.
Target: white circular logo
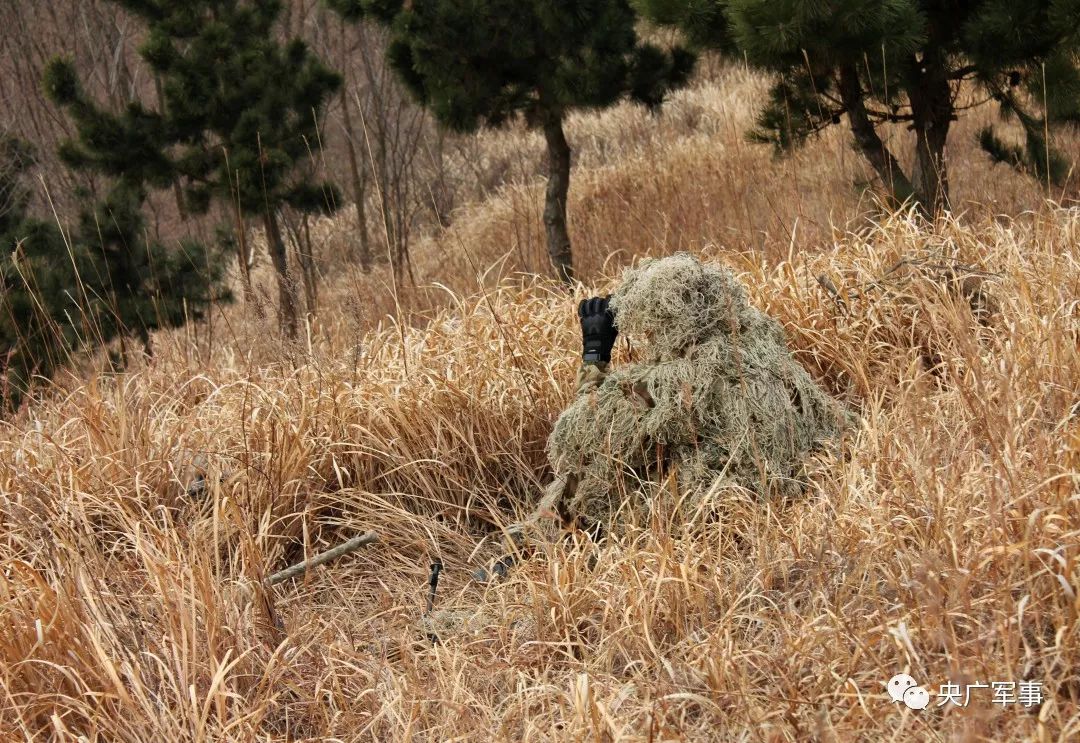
[(898, 684), (916, 698)]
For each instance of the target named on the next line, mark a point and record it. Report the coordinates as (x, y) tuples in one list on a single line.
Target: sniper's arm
[(598, 334)]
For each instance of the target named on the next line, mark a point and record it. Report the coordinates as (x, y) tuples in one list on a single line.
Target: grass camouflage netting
[(719, 396)]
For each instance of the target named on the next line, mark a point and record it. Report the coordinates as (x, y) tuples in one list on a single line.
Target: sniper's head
[(677, 302)]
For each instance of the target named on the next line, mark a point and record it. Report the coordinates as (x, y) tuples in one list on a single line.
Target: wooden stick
[(827, 284), (331, 554)]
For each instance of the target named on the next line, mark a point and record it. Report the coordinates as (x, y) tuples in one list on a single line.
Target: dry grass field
[(942, 541)]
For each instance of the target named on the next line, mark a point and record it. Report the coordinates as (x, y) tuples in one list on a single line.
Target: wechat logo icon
[(903, 688)]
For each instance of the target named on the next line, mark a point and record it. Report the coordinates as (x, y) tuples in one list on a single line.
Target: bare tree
[(393, 127), (396, 157), (98, 36), (395, 164)]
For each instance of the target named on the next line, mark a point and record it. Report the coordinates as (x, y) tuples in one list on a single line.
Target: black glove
[(598, 330)]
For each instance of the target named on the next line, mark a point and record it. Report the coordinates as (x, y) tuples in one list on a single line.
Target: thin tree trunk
[(869, 143), (243, 254), (359, 185), (178, 194), (300, 240), (286, 286), (932, 107), (558, 187), (307, 262), (243, 251), (382, 185)]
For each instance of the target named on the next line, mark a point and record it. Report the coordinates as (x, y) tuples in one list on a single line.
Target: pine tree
[(880, 62), (27, 346), (65, 293), (236, 124), (488, 62), (1039, 103)]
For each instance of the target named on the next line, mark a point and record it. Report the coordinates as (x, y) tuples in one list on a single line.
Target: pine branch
[(866, 136), (885, 116), (962, 73)]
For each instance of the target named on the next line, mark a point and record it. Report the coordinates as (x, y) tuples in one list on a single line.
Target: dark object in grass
[(499, 569)]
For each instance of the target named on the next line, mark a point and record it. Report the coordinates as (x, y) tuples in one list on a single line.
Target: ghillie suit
[(717, 396)]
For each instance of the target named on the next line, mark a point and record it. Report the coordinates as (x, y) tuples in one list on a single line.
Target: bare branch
[(321, 559)]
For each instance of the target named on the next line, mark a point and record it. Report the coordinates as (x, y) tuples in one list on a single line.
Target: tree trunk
[(286, 285), (243, 251), (300, 240), (307, 262), (359, 186), (869, 143), (558, 186), (178, 194), (932, 107)]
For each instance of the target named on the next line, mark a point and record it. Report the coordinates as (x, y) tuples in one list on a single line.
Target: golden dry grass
[(944, 542), (648, 184)]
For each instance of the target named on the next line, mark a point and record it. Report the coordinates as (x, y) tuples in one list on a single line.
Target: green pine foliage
[(236, 123), (879, 62), (1054, 92), (67, 293), (487, 62), (703, 22), (1036, 156)]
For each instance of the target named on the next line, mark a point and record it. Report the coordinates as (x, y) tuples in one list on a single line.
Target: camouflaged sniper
[(717, 400)]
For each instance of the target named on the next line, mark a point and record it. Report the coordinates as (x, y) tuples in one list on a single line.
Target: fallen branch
[(331, 554)]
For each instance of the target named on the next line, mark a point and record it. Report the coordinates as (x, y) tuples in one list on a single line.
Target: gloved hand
[(598, 330)]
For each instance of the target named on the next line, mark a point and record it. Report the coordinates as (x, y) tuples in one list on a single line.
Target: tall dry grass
[(944, 541), (679, 180)]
